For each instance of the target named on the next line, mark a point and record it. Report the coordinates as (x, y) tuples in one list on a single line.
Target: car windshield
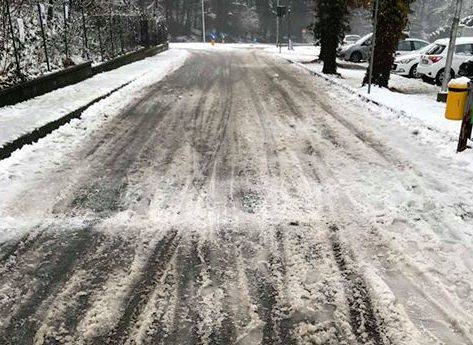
[(436, 49), (364, 39), (426, 48)]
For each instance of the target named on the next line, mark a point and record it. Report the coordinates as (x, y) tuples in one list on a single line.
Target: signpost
[(280, 12)]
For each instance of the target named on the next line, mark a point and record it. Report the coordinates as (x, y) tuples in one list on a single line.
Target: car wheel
[(413, 72), (426, 79), (356, 57), (441, 75)]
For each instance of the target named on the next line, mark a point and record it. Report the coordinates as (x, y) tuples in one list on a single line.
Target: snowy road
[(237, 202)]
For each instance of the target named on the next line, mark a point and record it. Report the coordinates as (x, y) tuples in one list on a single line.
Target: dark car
[(466, 69)]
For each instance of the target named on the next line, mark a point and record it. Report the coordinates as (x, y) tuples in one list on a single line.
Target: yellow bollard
[(456, 99)]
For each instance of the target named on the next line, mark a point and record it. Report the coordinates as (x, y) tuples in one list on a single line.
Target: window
[(436, 49), (419, 45), (404, 46), (464, 49)]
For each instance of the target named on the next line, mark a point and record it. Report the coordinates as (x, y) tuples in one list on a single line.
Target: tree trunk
[(330, 54), (330, 26), (392, 20)]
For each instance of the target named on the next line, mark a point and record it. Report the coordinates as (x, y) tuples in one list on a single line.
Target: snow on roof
[(416, 40), (460, 40)]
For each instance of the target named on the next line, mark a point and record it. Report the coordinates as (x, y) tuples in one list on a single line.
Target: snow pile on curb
[(23, 118), (48, 153), (412, 99)]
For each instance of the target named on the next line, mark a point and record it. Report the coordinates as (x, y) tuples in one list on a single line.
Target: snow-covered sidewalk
[(23, 118), (411, 97)]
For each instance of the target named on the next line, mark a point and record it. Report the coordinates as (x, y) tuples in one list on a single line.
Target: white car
[(406, 65), (410, 45), (432, 63), (358, 51), (350, 39)]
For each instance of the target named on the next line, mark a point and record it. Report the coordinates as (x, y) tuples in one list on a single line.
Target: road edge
[(29, 138), (367, 99)]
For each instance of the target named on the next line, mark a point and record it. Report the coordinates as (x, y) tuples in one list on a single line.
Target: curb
[(69, 76), (39, 133), (367, 99), (348, 88)]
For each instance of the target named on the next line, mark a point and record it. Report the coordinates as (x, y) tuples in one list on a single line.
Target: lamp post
[(373, 43), (288, 29), (442, 96), (203, 21)]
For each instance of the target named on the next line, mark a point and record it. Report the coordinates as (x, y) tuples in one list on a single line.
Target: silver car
[(358, 51)]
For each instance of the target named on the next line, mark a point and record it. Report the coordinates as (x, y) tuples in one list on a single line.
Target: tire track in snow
[(51, 277), (362, 317), (17, 248), (74, 300), (142, 290), (186, 319), (217, 264), (266, 285)]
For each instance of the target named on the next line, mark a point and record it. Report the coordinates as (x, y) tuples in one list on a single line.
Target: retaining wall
[(72, 75)]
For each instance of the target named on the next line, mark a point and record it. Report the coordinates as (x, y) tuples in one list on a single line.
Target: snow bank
[(461, 80), (40, 158), (411, 98), (25, 117)]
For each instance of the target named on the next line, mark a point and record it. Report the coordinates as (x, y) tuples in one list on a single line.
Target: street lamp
[(289, 36), (203, 20), (277, 24)]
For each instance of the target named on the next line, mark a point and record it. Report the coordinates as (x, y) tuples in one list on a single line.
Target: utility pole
[(373, 43), (277, 24), (442, 96), (289, 37), (203, 21)]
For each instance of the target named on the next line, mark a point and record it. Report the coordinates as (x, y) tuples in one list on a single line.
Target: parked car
[(410, 45), (358, 51), (466, 69), (432, 63), (350, 39), (406, 65), (361, 49)]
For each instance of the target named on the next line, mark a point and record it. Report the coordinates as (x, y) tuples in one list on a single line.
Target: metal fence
[(40, 37)]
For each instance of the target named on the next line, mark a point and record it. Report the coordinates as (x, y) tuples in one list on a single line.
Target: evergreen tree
[(392, 20)]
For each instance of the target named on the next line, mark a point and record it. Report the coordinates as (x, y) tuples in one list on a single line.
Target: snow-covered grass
[(411, 98), (25, 117)]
